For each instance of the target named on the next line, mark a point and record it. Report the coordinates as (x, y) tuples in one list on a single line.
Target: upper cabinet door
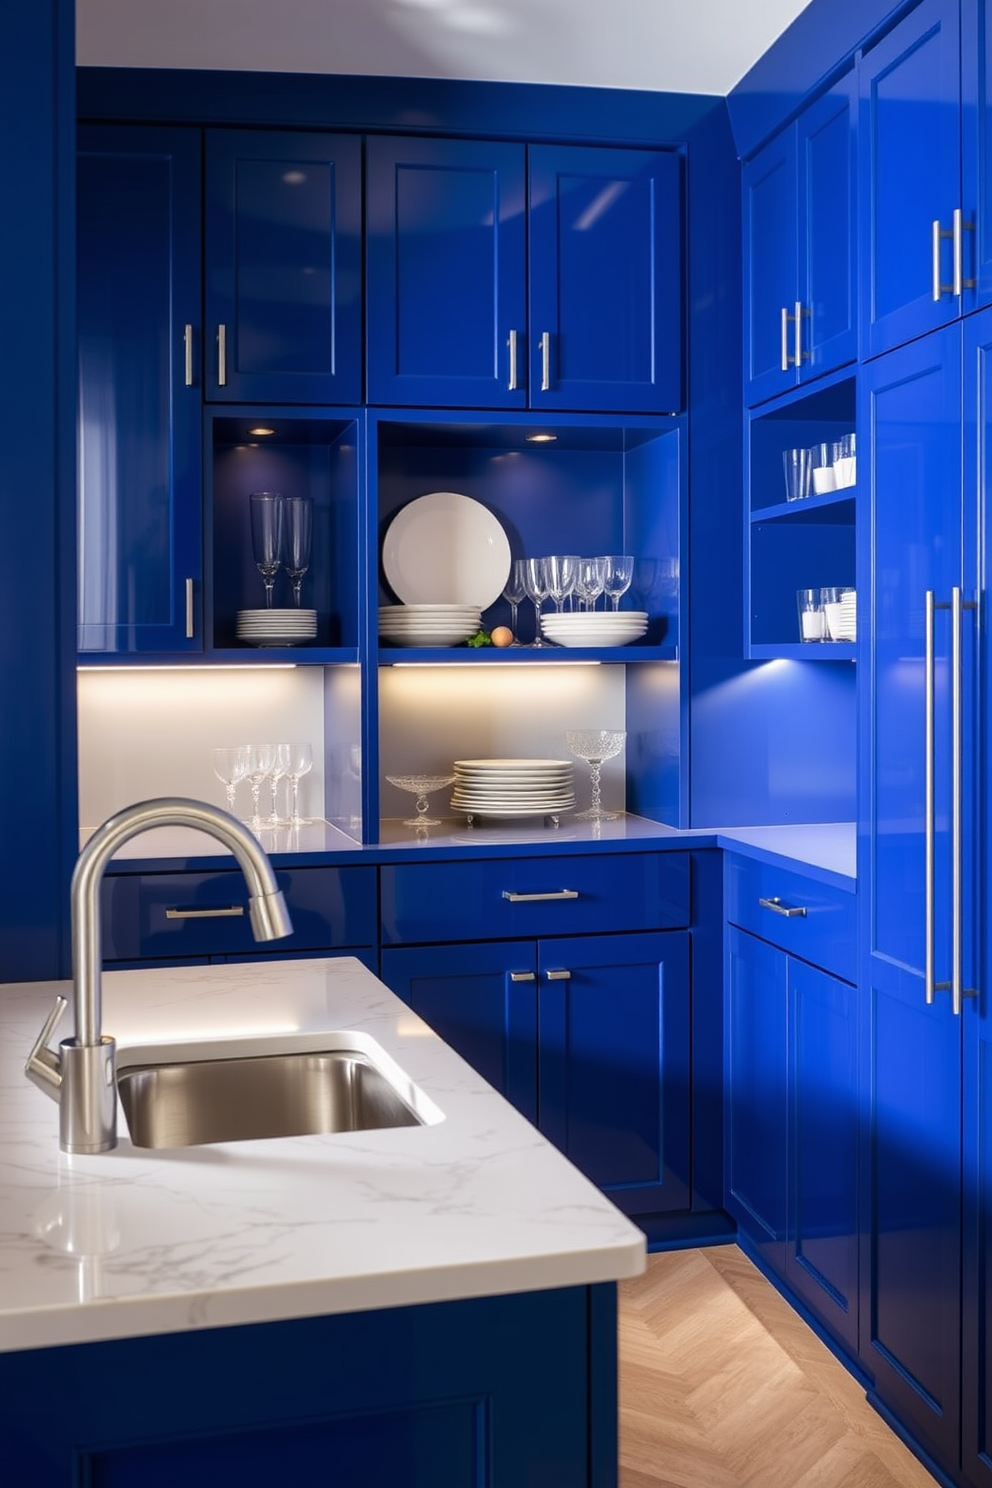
[(283, 267), (446, 260), (138, 318), (914, 262), (605, 280), (827, 160), (976, 101), (771, 267)]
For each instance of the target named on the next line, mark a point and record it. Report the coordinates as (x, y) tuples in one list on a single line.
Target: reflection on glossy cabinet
[(140, 559)]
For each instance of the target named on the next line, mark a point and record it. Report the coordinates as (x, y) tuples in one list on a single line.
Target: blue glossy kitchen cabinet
[(480, 260), (976, 141), (587, 1036), (920, 845), (800, 247), (140, 561), (283, 280), (917, 248), (792, 1122)]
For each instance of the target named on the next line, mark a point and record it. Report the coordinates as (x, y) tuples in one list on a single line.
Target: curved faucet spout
[(81, 1077)]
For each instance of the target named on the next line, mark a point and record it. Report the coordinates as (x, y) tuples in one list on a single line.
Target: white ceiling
[(679, 46)]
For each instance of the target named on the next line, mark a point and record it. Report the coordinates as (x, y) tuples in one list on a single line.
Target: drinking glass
[(595, 746), (619, 573), (824, 479), (266, 537), (280, 768), (559, 574), (514, 590), (811, 616), (536, 589), (300, 764), (230, 767), (589, 581), (260, 759), (798, 465), (298, 517), (845, 468)]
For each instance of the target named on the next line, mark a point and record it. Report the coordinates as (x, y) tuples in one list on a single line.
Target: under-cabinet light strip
[(250, 666)]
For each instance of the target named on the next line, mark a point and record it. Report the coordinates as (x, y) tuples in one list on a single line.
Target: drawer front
[(759, 895), (511, 898), (206, 914)]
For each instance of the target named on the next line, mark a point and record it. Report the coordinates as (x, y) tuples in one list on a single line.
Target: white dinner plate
[(446, 548), (510, 811)]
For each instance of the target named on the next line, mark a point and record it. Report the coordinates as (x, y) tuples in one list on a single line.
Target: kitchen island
[(422, 1304)]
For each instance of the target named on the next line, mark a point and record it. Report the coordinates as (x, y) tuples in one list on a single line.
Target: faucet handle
[(44, 1066)]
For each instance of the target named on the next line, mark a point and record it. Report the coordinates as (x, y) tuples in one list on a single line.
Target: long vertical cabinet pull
[(222, 356), (958, 230), (797, 333), (956, 233), (188, 354), (512, 380), (190, 627), (545, 361), (785, 339), (956, 985)]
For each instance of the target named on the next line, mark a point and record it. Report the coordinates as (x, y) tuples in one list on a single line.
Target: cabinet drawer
[(508, 898), (203, 914), (823, 935)]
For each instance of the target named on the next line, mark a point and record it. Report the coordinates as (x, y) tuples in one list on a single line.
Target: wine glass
[(266, 537), (595, 746), (514, 591), (559, 572), (536, 590), (590, 578), (300, 764), (280, 768), (421, 786), (298, 517), (260, 760), (619, 572), (230, 767)]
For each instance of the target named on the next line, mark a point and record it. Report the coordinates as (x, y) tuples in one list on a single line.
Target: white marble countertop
[(136, 1242)]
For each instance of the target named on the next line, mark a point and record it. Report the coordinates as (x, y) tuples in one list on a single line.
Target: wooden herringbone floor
[(722, 1385)]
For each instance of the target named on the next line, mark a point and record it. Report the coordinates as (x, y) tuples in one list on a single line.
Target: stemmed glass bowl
[(421, 786), (595, 746)]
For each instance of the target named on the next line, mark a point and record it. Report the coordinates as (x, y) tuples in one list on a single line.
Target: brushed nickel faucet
[(81, 1077)]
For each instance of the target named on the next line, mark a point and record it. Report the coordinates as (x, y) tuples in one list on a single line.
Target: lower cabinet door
[(757, 1105), (822, 1257), (976, 1342), (482, 1000), (613, 1029)]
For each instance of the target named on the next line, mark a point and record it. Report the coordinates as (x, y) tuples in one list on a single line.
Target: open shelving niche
[(604, 484), (793, 545)]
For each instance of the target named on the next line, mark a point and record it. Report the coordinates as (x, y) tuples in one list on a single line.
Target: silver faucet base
[(88, 1097)]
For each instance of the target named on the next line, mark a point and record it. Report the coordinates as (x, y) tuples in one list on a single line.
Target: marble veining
[(134, 1241)]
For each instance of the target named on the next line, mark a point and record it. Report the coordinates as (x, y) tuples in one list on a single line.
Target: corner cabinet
[(584, 1029), (140, 562), (800, 240), (791, 1080), (480, 260)]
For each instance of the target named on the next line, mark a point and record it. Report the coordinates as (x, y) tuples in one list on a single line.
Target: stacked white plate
[(513, 787), (595, 627), (276, 627), (842, 617), (428, 624)]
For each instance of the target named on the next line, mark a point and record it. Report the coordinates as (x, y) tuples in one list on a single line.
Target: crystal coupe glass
[(595, 746), (421, 786)]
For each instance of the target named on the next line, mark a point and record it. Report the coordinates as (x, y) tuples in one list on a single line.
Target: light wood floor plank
[(722, 1385)]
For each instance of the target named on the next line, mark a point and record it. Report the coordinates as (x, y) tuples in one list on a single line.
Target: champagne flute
[(514, 591), (300, 764), (298, 513), (230, 767), (595, 746), (619, 573), (266, 537), (536, 590), (260, 760)]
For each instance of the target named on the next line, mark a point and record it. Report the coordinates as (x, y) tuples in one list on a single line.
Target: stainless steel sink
[(189, 1103)]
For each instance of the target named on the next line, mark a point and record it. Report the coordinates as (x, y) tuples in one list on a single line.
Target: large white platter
[(446, 549)]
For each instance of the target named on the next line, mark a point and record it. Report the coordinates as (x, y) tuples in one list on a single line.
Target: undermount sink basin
[(187, 1103)]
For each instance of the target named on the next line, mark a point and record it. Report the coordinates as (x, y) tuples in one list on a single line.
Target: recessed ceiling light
[(541, 438), (261, 431)]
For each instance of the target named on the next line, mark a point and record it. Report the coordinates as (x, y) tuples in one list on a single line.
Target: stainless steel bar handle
[(797, 333), (522, 976), (512, 383), (957, 790), (188, 354), (545, 361), (785, 339), (790, 911), (190, 628), (559, 975), (935, 259), (929, 812), (516, 898), (221, 912), (222, 355), (958, 230)]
